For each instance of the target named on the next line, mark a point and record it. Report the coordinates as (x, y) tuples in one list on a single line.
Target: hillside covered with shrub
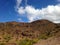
[(19, 33)]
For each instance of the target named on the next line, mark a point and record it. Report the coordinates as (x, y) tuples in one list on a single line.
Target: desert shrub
[(26, 42), (7, 38), (35, 40), (43, 36), (2, 43)]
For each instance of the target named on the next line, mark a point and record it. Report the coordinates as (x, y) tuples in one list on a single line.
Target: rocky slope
[(54, 40), (41, 29)]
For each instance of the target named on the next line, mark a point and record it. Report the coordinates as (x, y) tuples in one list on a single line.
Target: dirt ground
[(50, 41)]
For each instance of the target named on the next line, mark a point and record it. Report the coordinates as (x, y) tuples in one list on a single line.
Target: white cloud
[(19, 19), (51, 13), (21, 10), (18, 2)]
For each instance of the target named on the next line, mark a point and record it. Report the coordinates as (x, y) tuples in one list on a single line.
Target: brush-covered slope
[(41, 29)]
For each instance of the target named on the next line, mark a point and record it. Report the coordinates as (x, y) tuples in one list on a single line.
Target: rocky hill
[(11, 32)]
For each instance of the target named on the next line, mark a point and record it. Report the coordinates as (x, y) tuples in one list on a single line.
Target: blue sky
[(9, 12)]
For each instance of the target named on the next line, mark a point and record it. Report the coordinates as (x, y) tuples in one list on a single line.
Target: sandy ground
[(50, 41)]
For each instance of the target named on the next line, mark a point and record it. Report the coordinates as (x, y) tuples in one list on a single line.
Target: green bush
[(26, 42)]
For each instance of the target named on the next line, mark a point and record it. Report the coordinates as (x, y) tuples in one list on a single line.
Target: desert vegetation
[(16, 33)]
